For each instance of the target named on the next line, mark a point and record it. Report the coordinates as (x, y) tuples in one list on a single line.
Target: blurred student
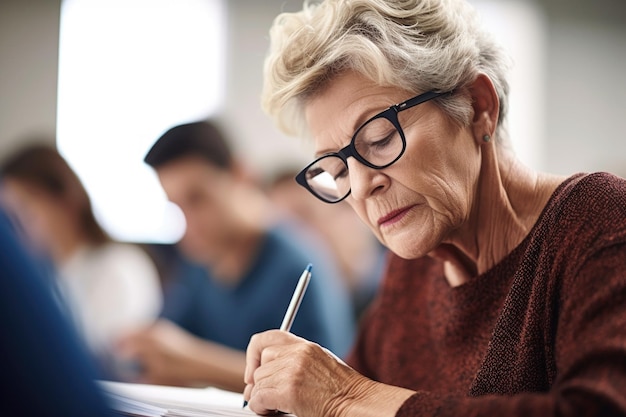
[(108, 287), (360, 255), (250, 269), (45, 369)]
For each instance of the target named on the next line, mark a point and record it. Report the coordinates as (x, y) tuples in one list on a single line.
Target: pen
[(294, 304), (296, 299)]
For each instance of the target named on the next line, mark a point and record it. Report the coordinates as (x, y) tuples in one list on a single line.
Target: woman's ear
[(486, 106)]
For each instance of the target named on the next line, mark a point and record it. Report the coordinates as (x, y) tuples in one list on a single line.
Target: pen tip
[(245, 403), (309, 267)]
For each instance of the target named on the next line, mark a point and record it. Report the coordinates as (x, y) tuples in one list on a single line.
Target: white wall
[(29, 40), (258, 141), (586, 101), (585, 90)]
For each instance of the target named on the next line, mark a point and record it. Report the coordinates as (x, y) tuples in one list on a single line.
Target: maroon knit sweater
[(543, 333)]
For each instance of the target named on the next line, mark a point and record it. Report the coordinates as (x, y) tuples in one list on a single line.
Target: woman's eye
[(381, 143), (342, 173)]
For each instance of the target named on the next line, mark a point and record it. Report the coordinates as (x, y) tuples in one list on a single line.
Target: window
[(129, 70)]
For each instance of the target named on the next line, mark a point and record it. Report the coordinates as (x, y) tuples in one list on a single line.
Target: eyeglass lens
[(378, 142)]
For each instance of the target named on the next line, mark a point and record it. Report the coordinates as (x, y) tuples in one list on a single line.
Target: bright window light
[(128, 71)]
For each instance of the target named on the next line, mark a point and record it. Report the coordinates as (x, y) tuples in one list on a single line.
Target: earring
[(486, 138)]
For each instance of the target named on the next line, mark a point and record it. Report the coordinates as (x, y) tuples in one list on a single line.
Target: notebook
[(164, 401)]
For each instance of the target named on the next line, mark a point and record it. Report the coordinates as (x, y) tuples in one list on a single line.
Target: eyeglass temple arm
[(420, 99)]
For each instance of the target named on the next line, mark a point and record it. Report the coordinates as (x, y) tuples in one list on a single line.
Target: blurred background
[(104, 78)]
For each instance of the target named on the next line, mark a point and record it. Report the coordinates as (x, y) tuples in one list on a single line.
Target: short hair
[(41, 166), (202, 139), (417, 45)]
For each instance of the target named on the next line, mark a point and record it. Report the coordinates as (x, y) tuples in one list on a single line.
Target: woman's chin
[(408, 250), (411, 243)]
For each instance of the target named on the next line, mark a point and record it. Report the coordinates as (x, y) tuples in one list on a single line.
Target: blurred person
[(505, 294), (108, 287), (46, 369), (360, 255), (250, 267)]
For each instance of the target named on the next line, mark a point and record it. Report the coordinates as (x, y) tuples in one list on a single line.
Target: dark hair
[(202, 139), (41, 166)]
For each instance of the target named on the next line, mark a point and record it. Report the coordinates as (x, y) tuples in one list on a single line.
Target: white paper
[(158, 400)]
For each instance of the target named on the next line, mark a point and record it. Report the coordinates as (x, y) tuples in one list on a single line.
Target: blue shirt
[(45, 368), (229, 315)]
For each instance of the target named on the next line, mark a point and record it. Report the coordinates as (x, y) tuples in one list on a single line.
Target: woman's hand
[(289, 374)]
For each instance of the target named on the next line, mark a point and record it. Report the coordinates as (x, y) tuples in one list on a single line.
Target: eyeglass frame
[(391, 114)]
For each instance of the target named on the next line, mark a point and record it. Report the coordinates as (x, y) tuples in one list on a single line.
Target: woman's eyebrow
[(364, 117), (323, 152)]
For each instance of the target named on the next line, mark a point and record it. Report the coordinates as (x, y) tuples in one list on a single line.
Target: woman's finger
[(261, 341)]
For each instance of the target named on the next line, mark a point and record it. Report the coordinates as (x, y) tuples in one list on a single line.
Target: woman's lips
[(394, 216)]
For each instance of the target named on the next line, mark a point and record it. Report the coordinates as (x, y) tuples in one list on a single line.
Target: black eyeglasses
[(378, 143)]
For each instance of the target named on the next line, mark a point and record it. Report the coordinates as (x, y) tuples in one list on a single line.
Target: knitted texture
[(542, 333)]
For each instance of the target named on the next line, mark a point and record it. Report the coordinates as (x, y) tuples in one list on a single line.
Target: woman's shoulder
[(586, 212), (599, 193)]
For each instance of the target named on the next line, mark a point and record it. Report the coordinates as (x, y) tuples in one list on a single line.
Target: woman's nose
[(365, 181)]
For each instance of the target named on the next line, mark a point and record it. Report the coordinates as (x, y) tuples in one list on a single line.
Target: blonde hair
[(417, 45)]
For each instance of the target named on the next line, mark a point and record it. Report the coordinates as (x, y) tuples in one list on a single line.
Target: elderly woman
[(506, 291)]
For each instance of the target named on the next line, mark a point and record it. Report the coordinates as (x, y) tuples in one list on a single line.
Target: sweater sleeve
[(357, 357), (590, 352)]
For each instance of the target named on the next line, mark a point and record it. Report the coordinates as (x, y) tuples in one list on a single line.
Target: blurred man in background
[(251, 265)]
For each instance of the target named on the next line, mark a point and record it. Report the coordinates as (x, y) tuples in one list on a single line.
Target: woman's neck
[(509, 200)]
